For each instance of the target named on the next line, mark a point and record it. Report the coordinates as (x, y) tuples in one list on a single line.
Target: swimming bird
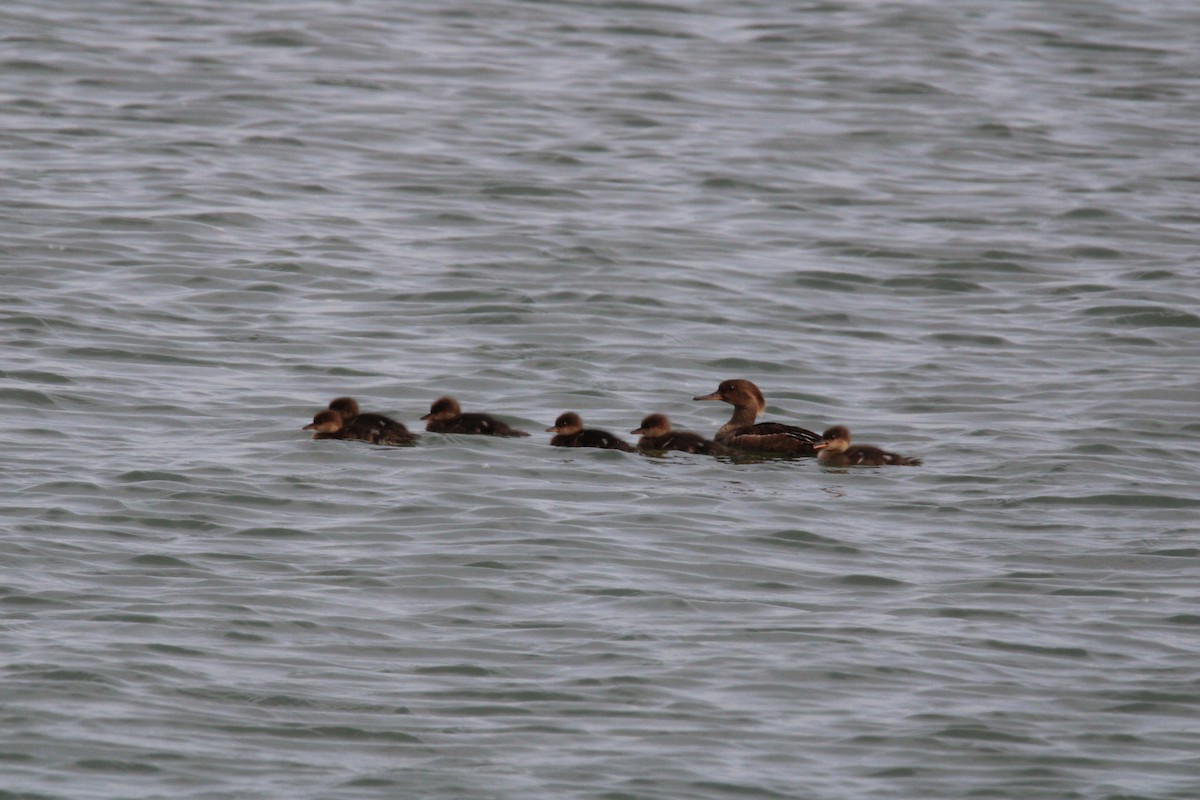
[(743, 433), (373, 428), (657, 434), (569, 432), (445, 416), (835, 450), (346, 406)]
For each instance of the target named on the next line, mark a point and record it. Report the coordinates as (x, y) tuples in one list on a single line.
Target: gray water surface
[(967, 230)]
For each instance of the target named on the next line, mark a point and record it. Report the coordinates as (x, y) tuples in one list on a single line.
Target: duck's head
[(654, 425), (327, 421), (567, 423), (443, 408), (738, 392), (346, 406), (834, 440)]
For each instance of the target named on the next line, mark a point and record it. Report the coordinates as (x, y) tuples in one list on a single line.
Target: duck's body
[(445, 416), (568, 431), (742, 433), (378, 429), (657, 434), (835, 450), (372, 428)]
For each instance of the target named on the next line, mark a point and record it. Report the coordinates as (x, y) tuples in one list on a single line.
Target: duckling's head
[(834, 440), (654, 425), (346, 406), (738, 392), (567, 423), (327, 421), (443, 408)]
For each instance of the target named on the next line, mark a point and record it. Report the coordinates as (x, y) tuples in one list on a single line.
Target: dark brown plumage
[(657, 434), (346, 406), (835, 450), (742, 433), (445, 416), (569, 432), (372, 428)]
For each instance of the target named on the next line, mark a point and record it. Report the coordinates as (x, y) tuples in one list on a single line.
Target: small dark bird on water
[(445, 416), (569, 432), (835, 450), (657, 434), (342, 420)]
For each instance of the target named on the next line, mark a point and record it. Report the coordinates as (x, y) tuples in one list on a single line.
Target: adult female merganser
[(445, 416), (836, 451), (569, 432), (656, 434), (741, 431)]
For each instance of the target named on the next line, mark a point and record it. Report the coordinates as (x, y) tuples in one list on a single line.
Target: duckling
[(656, 434), (445, 416), (742, 433), (569, 432), (836, 451), (346, 406), (373, 428)]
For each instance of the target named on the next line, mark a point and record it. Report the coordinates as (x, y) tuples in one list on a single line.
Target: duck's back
[(771, 437), (482, 424), (592, 438), (866, 455), (376, 429), (683, 441)]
